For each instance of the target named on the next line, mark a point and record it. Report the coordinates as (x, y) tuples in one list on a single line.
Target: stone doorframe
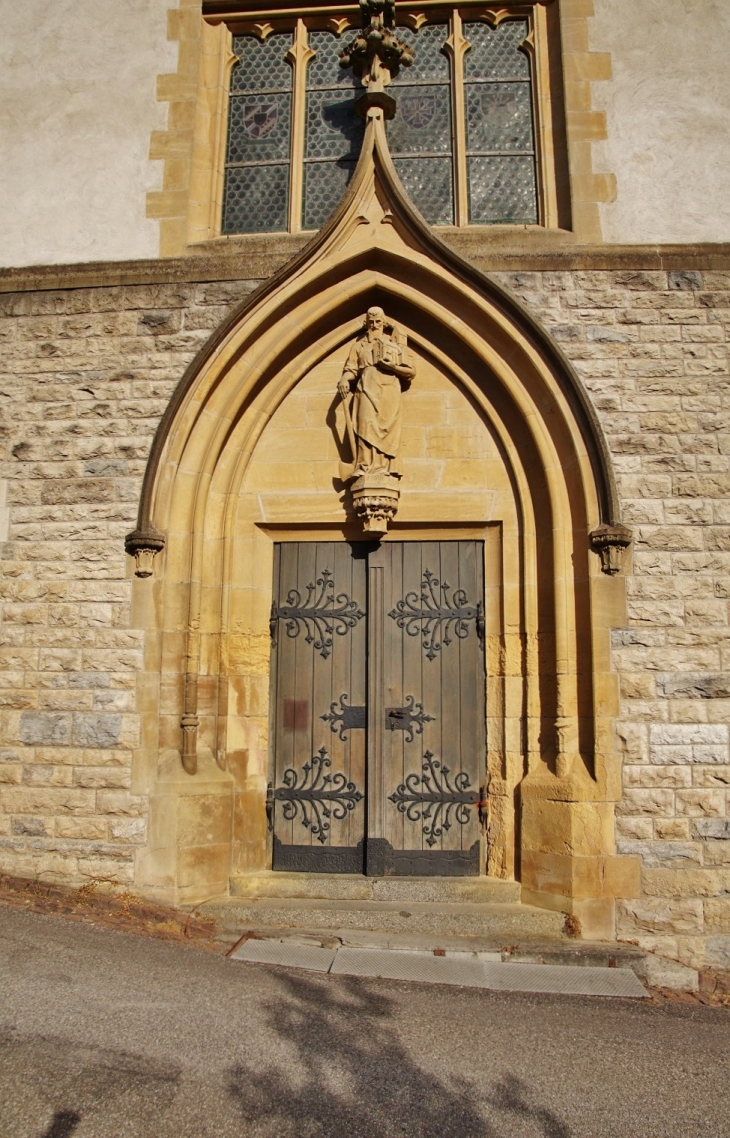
[(554, 772)]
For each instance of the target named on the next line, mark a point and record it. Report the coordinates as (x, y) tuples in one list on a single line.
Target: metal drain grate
[(286, 953)]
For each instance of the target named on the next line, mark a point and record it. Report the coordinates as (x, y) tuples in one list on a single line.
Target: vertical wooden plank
[(470, 693), (311, 675), (357, 689), (322, 694), (394, 822), (454, 668), (443, 672), (410, 753), (376, 702)]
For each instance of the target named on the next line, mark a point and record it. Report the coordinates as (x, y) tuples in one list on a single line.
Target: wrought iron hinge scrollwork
[(437, 614), (432, 798), (316, 796), (322, 615)]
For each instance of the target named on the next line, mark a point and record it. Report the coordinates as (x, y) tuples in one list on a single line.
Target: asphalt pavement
[(106, 1034)]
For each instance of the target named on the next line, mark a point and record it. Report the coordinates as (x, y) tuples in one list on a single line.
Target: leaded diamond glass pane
[(333, 128), (430, 64), (324, 185), (494, 52), (502, 189), (422, 123), (258, 127), (325, 70), (428, 182), (262, 66), (498, 116), (255, 199)]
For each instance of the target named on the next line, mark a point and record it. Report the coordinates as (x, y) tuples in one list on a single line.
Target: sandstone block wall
[(85, 376), (84, 379)]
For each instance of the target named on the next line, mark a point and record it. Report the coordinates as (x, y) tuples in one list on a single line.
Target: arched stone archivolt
[(498, 443)]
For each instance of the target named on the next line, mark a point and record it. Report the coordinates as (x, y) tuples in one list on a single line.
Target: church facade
[(365, 489)]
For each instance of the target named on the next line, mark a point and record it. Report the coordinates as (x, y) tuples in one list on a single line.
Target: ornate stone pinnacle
[(376, 55)]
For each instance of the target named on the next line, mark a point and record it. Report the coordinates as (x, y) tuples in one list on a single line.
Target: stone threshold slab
[(457, 968)]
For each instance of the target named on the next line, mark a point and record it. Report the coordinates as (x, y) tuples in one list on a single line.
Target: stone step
[(505, 921), (528, 950), (557, 967), (356, 887)]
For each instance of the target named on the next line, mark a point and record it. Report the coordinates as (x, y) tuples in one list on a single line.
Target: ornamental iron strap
[(321, 615), (345, 718), (431, 798), (436, 615), (409, 718), (319, 796)]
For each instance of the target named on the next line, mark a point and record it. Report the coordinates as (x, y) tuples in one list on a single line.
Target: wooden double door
[(378, 708)]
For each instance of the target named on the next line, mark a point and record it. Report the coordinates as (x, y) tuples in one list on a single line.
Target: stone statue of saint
[(378, 368)]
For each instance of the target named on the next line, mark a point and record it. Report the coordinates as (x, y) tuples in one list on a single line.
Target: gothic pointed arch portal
[(499, 445)]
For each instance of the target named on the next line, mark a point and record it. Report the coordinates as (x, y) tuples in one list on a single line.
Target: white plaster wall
[(668, 111), (77, 105)]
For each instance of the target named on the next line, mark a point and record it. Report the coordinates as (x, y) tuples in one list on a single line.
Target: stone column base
[(568, 863), (188, 858)]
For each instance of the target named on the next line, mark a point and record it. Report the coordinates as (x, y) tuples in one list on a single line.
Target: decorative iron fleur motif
[(318, 796), (435, 615), (322, 614), (409, 718), (345, 718), (431, 798)]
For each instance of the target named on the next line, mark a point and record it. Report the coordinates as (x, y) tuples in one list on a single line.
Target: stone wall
[(86, 374), (652, 349)]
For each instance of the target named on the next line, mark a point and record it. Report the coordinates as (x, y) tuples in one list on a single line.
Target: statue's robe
[(377, 403)]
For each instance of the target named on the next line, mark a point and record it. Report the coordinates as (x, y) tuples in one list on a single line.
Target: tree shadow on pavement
[(342, 1071), (63, 1124)]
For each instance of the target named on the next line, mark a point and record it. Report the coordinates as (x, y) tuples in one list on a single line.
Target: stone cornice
[(257, 258)]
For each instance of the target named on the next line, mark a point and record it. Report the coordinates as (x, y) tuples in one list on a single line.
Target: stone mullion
[(457, 47), (298, 56), (542, 111)]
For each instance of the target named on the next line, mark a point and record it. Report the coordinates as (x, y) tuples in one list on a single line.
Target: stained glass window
[(490, 155), (256, 189), (500, 145), (333, 130), (420, 134)]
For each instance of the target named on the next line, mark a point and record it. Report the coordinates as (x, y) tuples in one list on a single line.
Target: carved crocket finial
[(376, 55)]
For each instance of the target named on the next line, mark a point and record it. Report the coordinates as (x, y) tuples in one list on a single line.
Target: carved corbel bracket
[(375, 498), (143, 544), (609, 542)]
